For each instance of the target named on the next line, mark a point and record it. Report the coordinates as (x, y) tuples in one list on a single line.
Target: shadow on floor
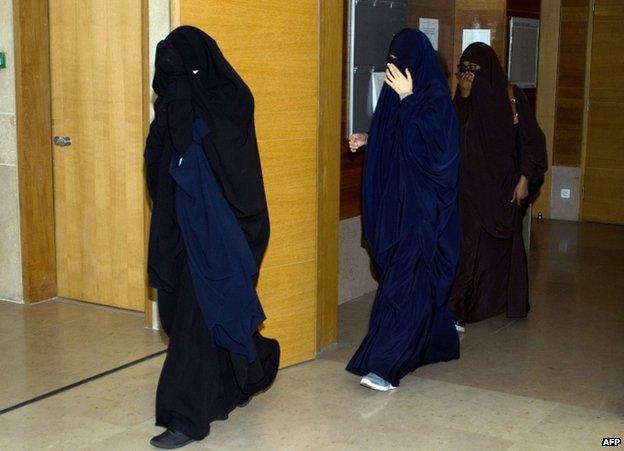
[(570, 349)]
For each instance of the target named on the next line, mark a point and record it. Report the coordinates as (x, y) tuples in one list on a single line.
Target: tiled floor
[(553, 381), (50, 345)]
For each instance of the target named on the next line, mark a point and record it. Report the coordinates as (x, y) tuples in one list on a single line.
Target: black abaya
[(201, 382)]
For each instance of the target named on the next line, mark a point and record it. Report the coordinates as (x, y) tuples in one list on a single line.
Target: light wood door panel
[(97, 100), (604, 156)]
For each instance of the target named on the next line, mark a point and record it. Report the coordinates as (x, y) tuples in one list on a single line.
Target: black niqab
[(193, 79), (489, 142)]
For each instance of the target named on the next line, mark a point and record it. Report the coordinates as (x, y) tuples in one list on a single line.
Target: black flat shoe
[(170, 439)]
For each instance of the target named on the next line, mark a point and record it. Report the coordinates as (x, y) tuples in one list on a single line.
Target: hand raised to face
[(465, 80), (401, 83)]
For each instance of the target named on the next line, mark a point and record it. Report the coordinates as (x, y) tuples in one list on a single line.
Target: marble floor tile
[(577, 428), (50, 345), (35, 428), (552, 381)]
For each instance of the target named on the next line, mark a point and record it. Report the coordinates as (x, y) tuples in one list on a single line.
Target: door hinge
[(588, 106), (594, 5)]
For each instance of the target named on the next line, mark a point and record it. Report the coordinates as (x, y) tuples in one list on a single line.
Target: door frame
[(585, 133), (34, 147)]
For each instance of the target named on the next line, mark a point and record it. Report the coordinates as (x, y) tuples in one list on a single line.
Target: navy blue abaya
[(410, 218), (208, 234)]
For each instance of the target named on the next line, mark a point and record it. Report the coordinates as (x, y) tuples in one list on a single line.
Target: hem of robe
[(179, 422), (462, 303), (201, 383), (441, 316)]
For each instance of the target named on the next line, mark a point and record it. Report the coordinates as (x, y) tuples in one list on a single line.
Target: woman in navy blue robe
[(502, 168), (410, 216)]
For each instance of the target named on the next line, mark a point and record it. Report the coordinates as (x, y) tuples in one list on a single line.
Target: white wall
[(355, 266), (158, 30), (10, 249)]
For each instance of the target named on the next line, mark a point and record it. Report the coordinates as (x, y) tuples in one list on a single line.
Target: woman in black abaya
[(209, 231)]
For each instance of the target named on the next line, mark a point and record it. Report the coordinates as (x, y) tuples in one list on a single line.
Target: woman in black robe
[(208, 234), (502, 167)]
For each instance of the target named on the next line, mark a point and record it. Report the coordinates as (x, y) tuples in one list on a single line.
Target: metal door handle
[(62, 141)]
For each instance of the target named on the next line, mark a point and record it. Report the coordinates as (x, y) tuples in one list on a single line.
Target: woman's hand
[(357, 140), (522, 190), (465, 80), (402, 84)]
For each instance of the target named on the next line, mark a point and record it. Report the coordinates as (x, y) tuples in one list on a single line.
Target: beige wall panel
[(293, 125), (329, 146), (287, 294), (572, 60), (290, 181), (274, 46)]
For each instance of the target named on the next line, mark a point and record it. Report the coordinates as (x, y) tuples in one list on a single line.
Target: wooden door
[(604, 155), (96, 49)]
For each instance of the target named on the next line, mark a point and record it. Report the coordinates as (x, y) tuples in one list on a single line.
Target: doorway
[(81, 77), (97, 110)]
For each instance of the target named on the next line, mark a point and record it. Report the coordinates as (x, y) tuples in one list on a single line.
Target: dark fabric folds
[(201, 383), (492, 277), (193, 79), (410, 218), (208, 234), (489, 169), (221, 263)]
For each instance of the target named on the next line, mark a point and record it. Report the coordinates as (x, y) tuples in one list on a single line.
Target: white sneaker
[(374, 382)]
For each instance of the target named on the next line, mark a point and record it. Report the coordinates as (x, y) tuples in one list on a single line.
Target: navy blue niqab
[(410, 217)]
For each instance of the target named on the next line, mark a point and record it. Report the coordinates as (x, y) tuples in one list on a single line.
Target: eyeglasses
[(391, 59), (467, 67)]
